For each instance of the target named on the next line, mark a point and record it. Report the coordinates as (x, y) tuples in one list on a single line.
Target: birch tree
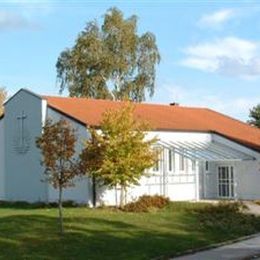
[(254, 116), (110, 61)]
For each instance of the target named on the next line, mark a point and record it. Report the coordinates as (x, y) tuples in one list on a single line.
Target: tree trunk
[(122, 197), (60, 211), (125, 195), (94, 191)]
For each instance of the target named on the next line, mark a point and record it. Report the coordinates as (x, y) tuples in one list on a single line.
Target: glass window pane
[(206, 165), (193, 165), (170, 160), (156, 167), (181, 162)]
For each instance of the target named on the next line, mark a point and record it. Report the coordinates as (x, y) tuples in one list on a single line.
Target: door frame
[(231, 181)]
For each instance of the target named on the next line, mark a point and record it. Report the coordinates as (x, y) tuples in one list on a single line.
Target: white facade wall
[(22, 158), (246, 173), (247, 179), (2, 161), (177, 185)]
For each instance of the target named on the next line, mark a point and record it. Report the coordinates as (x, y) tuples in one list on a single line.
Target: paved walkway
[(247, 249)]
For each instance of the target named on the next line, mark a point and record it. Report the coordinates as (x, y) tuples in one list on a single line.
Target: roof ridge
[(122, 101)]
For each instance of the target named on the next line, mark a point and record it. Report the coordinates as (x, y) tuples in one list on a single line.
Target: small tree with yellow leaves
[(3, 95), (119, 155), (57, 144)]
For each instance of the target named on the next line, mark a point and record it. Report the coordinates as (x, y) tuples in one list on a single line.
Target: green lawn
[(109, 234)]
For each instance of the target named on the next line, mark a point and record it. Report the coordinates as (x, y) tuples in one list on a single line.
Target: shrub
[(227, 217), (257, 202), (146, 203), (223, 208)]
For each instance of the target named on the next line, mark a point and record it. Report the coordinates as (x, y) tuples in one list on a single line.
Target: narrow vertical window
[(171, 161), (156, 167), (193, 165), (206, 166), (182, 162)]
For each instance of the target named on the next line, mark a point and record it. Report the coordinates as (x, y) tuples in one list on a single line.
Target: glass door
[(226, 181)]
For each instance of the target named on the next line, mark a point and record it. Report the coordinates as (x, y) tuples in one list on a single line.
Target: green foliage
[(228, 217), (254, 116), (110, 61), (223, 207), (147, 203), (127, 153), (120, 154)]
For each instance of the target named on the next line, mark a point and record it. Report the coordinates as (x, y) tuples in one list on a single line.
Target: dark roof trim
[(68, 116), (252, 147), (25, 90)]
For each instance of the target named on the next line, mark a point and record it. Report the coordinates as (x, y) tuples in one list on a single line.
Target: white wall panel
[(2, 161)]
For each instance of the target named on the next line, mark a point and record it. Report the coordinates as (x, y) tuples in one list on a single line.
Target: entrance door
[(226, 181)]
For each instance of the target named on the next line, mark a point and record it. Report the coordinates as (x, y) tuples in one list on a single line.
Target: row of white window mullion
[(170, 157)]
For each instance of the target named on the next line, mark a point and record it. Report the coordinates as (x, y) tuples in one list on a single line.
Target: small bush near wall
[(227, 217), (257, 202), (223, 208), (147, 203)]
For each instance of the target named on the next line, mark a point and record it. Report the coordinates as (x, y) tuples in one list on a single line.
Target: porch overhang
[(206, 151)]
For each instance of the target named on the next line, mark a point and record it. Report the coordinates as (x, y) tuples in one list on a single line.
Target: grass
[(31, 233)]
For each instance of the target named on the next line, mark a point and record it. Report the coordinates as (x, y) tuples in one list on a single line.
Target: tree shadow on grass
[(36, 237)]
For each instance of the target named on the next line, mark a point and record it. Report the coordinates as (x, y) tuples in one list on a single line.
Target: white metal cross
[(22, 117)]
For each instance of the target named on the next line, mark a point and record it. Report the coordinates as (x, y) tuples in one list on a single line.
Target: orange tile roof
[(162, 117)]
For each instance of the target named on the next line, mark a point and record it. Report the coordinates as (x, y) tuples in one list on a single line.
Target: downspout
[(197, 197)]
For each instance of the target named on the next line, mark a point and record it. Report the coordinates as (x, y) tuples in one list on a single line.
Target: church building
[(205, 154)]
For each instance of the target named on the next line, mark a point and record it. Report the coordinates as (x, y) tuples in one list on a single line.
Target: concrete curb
[(205, 248)]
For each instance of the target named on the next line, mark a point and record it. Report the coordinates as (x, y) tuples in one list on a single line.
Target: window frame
[(193, 165), (183, 163)]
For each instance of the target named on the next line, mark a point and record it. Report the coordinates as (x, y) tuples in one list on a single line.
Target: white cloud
[(21, 14), (15, 21), (216, 19), (229, 56), (237, 107)]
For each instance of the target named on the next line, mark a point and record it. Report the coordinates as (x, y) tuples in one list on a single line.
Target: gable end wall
[(23, 173)]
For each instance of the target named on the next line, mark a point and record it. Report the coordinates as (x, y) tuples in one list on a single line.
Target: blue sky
[(210, 49)]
